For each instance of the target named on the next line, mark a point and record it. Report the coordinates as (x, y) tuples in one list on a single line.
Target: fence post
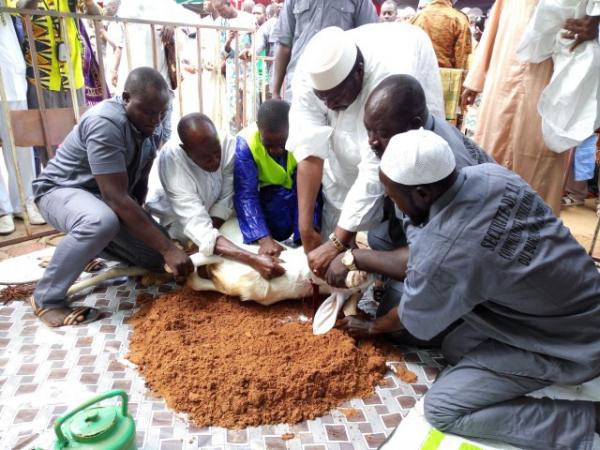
[(13, 149), (100, 46), (127, 47), (255, 81), (238, 106), (154, 50), (178, 74), (70, 69), (38, 86), (200, 70)]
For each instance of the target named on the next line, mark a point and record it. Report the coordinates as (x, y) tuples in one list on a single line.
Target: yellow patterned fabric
[(449, 32), (452, 87), (47, 35)]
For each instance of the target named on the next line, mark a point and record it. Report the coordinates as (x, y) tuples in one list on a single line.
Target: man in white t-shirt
[(12, 66)]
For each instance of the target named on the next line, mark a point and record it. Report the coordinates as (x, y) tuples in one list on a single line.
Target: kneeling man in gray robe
[(485, 249)]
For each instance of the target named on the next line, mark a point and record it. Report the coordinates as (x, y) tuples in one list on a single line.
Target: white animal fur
[(240, 280), (236, 279)]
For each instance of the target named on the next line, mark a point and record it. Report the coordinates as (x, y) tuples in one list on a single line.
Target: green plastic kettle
[(97, 428)]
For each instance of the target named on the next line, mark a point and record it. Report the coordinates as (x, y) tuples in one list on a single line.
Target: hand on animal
[(179, 263), (356, 278), (337, 272), (356, 327), (320, 258), (190, 248), (311, 239), (268, 266), (269, 246), (581, 30), (217, 222)]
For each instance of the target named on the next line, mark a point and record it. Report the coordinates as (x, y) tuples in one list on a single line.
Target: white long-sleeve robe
[(351, 186), (568, 118), (190, 196)]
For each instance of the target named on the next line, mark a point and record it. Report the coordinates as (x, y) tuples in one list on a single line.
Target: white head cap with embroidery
[(329, 58), (417, 157)]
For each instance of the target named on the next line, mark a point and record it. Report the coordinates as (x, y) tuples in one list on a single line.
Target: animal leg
[(351, 305), (198, 283), (115, 272)]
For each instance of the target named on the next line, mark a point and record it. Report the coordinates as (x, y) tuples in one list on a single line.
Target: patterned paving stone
[(391, 420), (44, 373), (374, 440)]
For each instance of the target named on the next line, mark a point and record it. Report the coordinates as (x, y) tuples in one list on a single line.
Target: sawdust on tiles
[(351, 413), (235, 364), (405, 375), (16, 292)]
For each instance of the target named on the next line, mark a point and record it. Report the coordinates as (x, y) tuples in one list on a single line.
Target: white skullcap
[(417, 157), (329, 58)]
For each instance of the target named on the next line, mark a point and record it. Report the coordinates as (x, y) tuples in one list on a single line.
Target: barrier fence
[(47, 126)]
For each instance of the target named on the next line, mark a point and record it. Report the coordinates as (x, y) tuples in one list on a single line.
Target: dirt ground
[(236, 364), (581, 220)]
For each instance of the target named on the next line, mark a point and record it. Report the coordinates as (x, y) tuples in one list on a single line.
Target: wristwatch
[(348, 260), (337, 243)]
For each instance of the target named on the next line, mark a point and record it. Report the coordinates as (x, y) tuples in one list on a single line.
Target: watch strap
[(337, 243)]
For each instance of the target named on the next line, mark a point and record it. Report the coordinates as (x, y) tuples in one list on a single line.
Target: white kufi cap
[(417, 157), (329, 58)]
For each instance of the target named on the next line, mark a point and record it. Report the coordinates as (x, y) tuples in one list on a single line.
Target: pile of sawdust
[(236, 364), (15, 292)]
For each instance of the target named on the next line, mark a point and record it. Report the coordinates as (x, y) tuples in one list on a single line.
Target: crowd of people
[(227, 100), (353, 137)]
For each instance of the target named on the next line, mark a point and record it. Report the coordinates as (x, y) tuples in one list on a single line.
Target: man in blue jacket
[(265, 180)]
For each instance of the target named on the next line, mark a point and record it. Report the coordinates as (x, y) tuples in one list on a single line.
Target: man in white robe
[(197, 192), (335, 76)]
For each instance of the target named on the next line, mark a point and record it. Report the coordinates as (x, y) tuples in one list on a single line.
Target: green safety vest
[(270, 171)]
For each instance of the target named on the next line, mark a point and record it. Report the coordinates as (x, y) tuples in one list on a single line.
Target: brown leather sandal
[(95, 265), (90, 314)]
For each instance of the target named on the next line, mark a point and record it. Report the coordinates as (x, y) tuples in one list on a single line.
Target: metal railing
[(247, 88)]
